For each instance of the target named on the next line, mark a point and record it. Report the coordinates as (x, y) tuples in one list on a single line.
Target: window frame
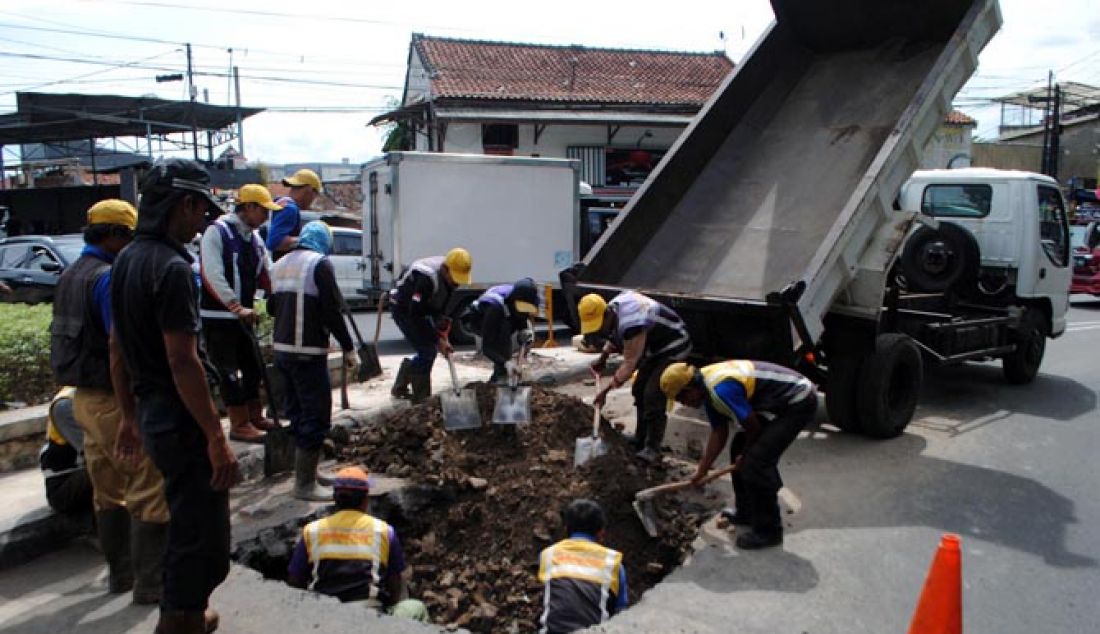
[(926, 208)]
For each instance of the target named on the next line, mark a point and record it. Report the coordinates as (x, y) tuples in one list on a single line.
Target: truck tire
[(1022, 364), (461, 334), (889, 386), (935, 260), (841, 387)]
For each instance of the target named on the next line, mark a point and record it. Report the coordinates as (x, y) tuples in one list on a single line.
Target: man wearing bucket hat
[(286, 223), (650, 336), (350, 552), (156, 356), (770, 405), (419, 301), (131, 511), (501, 314), (234, 267), (307, 305)]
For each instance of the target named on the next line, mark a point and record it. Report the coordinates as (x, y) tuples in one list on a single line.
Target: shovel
[(513, 402), (643, 500), (278, 443), (459, 405), (369, 364), (589, 447)]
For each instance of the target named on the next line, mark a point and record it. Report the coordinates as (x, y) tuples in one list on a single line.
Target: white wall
[(950, 146), (465, 138)]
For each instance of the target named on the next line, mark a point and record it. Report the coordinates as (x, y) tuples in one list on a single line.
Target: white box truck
[(517, 216)]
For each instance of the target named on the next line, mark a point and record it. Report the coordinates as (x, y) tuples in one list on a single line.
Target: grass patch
[(25, 373)]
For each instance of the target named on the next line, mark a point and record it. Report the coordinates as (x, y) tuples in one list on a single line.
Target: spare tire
[(890, 384), (935, 260)]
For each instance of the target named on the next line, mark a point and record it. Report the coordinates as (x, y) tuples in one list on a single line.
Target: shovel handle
[(454, 374), (378, 322), (596, 409), (652, 492)]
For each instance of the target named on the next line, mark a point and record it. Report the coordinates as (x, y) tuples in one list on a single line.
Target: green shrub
[(25, 373)]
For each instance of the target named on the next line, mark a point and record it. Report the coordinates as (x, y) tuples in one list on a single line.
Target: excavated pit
[(484, 503)]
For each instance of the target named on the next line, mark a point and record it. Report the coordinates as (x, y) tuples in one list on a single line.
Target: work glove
[(526, 337), (351, 361)]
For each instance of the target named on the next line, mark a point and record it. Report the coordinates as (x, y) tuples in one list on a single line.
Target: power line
[(92, 74)]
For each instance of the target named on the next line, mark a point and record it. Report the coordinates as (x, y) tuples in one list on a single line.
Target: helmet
[(351, 479), (675, 378), (591, 309), (525, 296), (305, 178), (459, 263), (113, 211)]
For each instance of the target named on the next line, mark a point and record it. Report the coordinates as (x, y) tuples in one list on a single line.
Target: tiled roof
[(959, 118), (527, 72)]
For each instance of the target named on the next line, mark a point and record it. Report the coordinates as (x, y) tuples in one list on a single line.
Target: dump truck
[(774, 224)]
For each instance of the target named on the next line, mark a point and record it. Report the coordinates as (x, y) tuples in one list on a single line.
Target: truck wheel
[(841, 386), (889, 386), (461, 334), (1022, 364), (935, 260)]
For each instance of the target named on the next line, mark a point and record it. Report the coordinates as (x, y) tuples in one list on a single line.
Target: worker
[(167, 409), (307, 306), (650, 336), (286, 222), (770, 405), (234, 266), (502, 318), (584, 582), (419, 301), (68, 488), (131, 510), (350, 553)]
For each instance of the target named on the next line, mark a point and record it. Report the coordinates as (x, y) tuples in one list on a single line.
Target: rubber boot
[(256, 416), (305, 476), (147, 543), (400, 387), (181, 622), (421, 386), (240, 429), (114, 538), (499, 376), (767, 527)]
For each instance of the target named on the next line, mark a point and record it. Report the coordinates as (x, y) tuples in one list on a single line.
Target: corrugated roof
[(510, 71)]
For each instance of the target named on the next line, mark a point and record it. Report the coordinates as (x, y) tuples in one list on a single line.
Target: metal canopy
[(45, 117)]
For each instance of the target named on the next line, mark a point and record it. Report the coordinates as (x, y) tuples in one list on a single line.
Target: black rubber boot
[(148, 540), (421, 386), (114, 538), (767, 527), (305, 476), (499, 376), (753, 540), (740, 514), (400, 387)]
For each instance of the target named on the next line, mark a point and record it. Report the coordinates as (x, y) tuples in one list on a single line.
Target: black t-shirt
[(153, 291)]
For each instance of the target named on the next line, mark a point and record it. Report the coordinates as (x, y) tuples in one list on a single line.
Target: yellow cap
[(257, 194), (675, 378), (591, 309), (527, 308), (113, 212), (459, 263), (305, 178)]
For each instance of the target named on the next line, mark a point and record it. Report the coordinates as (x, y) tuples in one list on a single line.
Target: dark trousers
[(308, 400), (651, 403), (756, 486), (229, 349), (70, 494), (421, 336), (196, 559)]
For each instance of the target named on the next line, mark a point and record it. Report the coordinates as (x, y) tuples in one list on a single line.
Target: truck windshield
[(957, 201)]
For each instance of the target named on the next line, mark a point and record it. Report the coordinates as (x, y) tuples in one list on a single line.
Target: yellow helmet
[(675, 378), (113, 211), (591, 309), (459, 263), (305, 178)]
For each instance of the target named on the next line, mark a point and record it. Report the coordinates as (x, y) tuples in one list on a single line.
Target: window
[(40, 255), (12, 256), (499, 138), (347, 244), (957, 201), (1053, 228)]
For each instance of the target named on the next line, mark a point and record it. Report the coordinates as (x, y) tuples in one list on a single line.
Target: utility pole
[(1055, 133), (240, 128), (191, 95)]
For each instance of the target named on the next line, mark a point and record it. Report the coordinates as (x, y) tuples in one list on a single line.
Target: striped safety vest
[(768, 387), (237, 258), (667, 336), (349, 551), (432, 268), (294, 286), (581, 581)]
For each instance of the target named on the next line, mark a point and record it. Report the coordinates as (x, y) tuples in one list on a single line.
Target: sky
[(323, 69)]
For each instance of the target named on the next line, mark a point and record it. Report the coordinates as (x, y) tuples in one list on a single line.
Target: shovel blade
[(460, 410), (588, 448), (370, 365), (278, 451), (644, 510), (513, 406)]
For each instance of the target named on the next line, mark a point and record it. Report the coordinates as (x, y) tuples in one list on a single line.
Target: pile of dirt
[(498, 491)]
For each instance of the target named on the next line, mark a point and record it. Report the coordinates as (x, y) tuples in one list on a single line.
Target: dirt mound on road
[(474, 557)]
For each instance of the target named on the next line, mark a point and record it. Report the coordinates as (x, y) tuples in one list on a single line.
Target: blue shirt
[(733, 395), (624, 596), (284, 222), (101, 291)]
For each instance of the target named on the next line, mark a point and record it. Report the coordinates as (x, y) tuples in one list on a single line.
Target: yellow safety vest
[(582, 560), (739, 370), (349, 534)]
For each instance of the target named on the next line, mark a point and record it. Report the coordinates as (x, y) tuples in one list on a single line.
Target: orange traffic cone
[(939, 610)]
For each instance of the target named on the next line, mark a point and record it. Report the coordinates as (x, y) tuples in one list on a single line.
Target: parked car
[(1085, 242), (347, 259), (31, 265)]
